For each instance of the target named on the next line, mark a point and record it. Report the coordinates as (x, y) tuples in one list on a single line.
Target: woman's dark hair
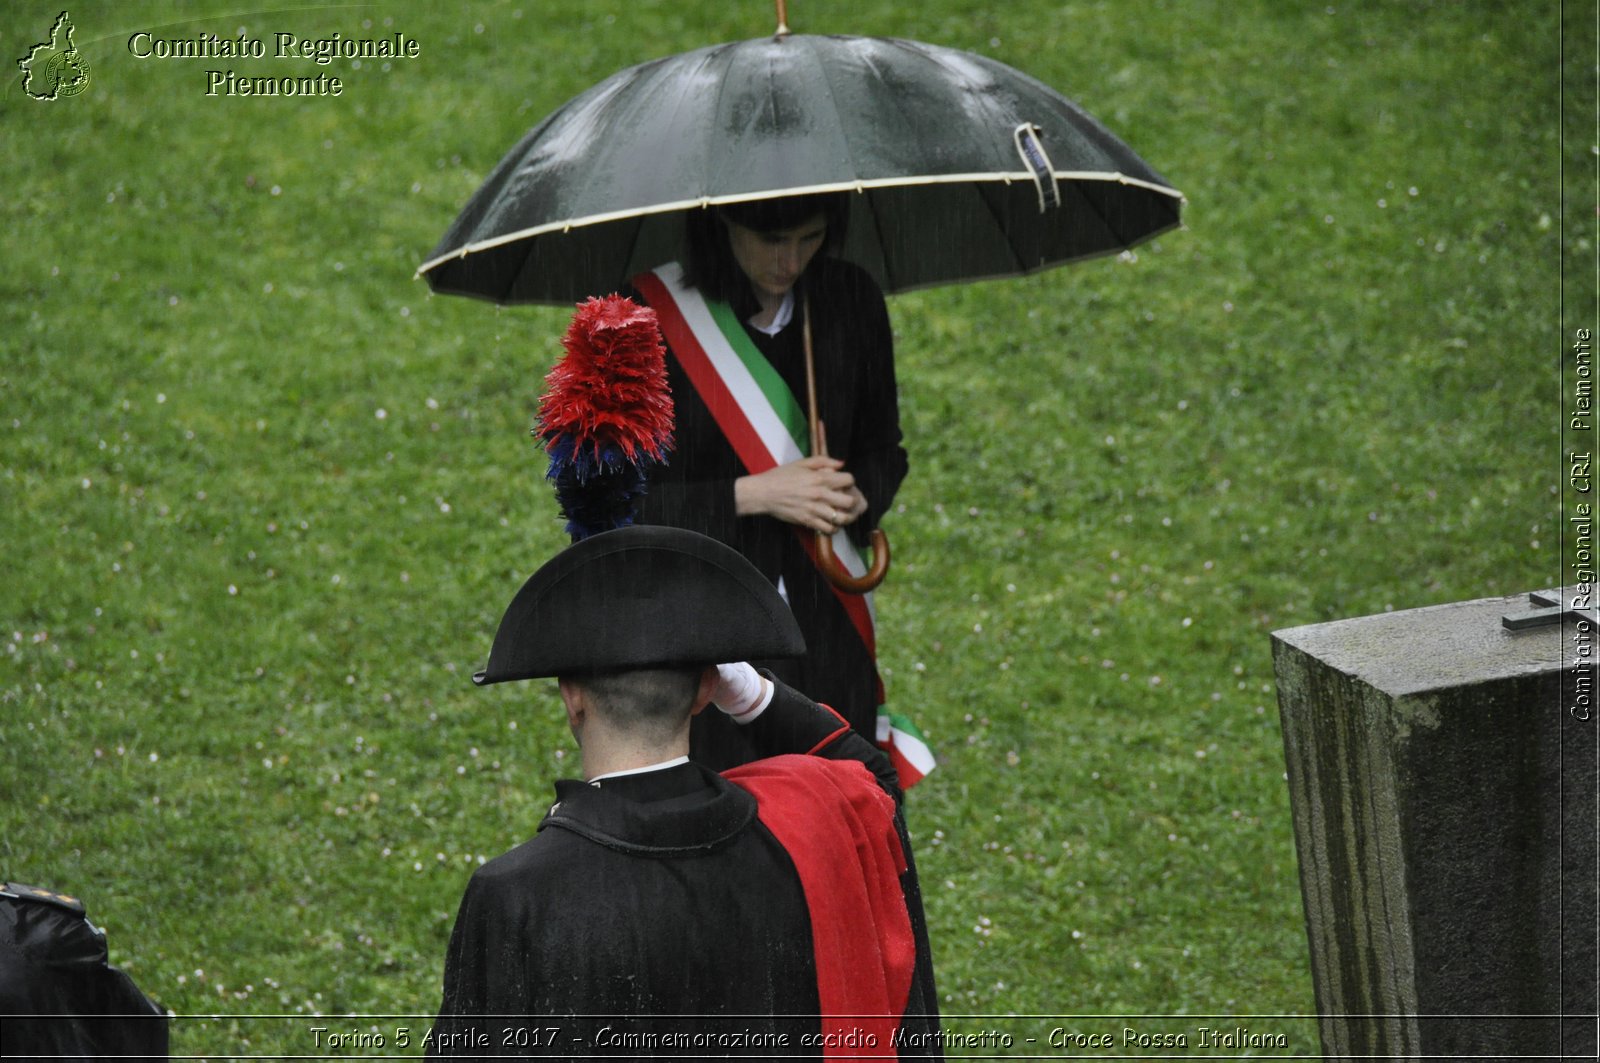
[(708, 262)]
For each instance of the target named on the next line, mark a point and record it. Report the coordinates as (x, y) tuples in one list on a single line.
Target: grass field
[(264, 497)]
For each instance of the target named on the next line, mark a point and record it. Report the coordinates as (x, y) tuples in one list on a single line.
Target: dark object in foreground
[(59, 994)]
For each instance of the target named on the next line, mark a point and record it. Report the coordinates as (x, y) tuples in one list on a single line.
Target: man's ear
[(575, 701), (708, 685)]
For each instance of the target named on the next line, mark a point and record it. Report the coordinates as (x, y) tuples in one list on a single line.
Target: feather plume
[(606, 415)]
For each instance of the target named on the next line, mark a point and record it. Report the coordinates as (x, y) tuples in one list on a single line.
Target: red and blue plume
[(606, 414)]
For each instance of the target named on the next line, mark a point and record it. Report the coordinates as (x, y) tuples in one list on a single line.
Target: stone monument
[(1442, 766)]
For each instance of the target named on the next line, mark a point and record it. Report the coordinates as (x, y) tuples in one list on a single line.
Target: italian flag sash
[(766, 427)]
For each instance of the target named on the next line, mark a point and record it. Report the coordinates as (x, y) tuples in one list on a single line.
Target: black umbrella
[(964, 169)]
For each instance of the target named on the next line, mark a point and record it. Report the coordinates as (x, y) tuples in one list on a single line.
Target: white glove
[(741, 692)]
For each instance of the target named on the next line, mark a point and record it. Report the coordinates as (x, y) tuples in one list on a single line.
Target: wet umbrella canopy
[(966, 169)]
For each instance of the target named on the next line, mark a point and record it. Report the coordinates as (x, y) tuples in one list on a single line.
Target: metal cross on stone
[(1551, 606)]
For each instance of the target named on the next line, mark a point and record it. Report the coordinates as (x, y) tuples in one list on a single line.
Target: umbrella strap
[(1031, 149)]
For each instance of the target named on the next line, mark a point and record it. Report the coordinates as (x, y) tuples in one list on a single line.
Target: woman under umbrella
[(734, 316)]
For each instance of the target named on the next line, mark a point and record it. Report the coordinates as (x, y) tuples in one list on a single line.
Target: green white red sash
[(767, 427)]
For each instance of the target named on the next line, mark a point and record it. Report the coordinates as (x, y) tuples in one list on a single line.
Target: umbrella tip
[(783, 19)]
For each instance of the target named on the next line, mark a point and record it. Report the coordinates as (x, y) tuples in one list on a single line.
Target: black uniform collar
[(678, 811)]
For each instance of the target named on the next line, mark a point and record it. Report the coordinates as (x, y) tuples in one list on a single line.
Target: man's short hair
[(644, 698)]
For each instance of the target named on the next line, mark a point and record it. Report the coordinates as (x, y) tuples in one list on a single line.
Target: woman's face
[(774, 260)]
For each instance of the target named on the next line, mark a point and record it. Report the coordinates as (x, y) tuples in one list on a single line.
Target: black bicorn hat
[(643, 596)]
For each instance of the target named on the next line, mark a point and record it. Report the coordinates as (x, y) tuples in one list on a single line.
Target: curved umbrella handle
[(840, 577)]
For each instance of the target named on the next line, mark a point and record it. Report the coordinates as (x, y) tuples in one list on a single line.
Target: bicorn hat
[(640, 597)]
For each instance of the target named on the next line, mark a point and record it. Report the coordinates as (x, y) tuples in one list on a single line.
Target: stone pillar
[(1442, 779)]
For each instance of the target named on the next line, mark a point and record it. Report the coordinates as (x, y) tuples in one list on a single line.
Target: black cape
[(549, 957)]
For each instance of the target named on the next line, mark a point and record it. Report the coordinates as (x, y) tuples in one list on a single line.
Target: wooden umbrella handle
[(836, 573), (840, 576)]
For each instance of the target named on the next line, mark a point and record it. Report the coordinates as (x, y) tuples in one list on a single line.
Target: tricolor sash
[(767, 427)]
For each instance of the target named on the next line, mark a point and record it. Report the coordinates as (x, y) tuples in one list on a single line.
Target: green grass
[(264, 497)]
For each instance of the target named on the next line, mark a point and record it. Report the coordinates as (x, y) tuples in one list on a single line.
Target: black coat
[(858, 404), (653, 905)]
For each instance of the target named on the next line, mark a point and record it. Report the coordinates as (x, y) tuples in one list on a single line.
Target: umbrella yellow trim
[(839, 186)]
